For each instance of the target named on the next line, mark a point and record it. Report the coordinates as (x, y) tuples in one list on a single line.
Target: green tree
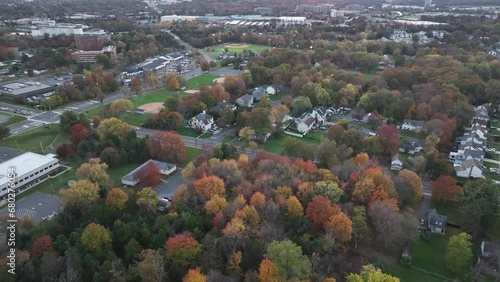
[(67, 119), (113, 131), (360, 228), (329, 189), (4, 132), (458, 253), (289, 259), (119, 107), (104, 61), (371, 274), (265, 102), (95, 238)]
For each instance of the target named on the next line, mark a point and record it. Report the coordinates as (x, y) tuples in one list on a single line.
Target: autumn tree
[(80, 193), (166, 147), (361, 159), (153, 80), (149, 175), (234, 263), (147, 199), (95, 238), (319, 211), (173, 84), (268, 271), (136, 84), (210, 186), (111, 156), (390, 137), (194, 275), (289, 259), (257, 199), (116, 199), (215, 204), (328, 189), (458, 253), (335, 132), (183, 248), (78, 133), (360, 229), (151, 266), (113, 131), (371, 274), (119, 107), (96, 120), (414, 183), (93, 171), (445, 188), (235, 85), (340, 226), (41, 245), (65, 151), (294, 207)]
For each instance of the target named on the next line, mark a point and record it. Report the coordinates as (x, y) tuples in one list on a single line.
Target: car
[(167, 198), (422, 222)]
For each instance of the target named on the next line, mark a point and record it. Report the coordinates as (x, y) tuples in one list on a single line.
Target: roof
[(8, 153), (154, 63), (396, 158), (244, 100), (18, 88), (414, 122), (176, 55), (436, 219), (132, 176), (258, 92), (23, 164), (308, 120), (321, 110), (203, 117), (220, 106)]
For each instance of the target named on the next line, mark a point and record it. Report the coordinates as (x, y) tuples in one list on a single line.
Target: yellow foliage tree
[(80, 192), (215, 204), (294, 207), (116, 199)]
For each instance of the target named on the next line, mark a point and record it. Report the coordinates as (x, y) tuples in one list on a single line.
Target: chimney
[(203, 111)]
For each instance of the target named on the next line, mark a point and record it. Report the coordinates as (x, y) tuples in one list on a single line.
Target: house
[(470, 168), (245, 101), (413, 125), (202, 121), (221, 106), (396, 163), (319, 114), (306, 124), (488, 249), (132, 178), (257, 93), (271, 90), (436, 223), (333, 110)]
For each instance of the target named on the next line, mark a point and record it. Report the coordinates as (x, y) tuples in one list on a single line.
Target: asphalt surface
[(36, 206)]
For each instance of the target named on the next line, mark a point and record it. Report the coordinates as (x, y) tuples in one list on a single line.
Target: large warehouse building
[(29, 168), (20, 91)]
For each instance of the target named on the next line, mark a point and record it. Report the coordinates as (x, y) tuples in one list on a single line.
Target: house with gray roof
[(413, 125), (306, 124), (245, 101), (258, 92), (132, 179), (202, 121), (436, 223)]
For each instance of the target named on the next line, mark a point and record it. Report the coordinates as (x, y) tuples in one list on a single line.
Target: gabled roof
[(469, 163), (396, 158), (308, 120), (435, 219), (321, 110), (258, 92), (220, 106), (245, 100), (203, 116)]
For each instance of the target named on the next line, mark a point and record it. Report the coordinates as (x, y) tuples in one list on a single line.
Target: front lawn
[(10, 119), (36, 139), (186, 131), (490, 165), (410, 275), (192, 153)]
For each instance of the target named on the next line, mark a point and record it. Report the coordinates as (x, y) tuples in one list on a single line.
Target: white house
[(271, 90), (396, 163), (245, 101), (132, 179), (413, 125), (469, 169), (319, 114), (306, 124), (202, 121)]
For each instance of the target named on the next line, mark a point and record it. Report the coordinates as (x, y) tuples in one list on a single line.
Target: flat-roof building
[(28, 168), (21, 90), (90, 56)]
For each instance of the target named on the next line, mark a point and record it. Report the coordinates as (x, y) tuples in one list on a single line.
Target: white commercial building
[(57, 30), (27, 167)]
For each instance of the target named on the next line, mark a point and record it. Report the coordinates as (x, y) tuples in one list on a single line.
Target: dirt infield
[(220, 80), (151, 108)]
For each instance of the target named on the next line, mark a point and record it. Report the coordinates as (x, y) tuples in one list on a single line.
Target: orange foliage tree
[(340, 225), (445, 188), (194, 275), (210, 186), (41, 245), (183, 248), (116, 199), (294, 207), (257, 199), (268, 271), (319, 211)]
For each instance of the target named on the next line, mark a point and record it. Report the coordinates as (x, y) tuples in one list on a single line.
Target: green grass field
[(11, 119), (410, 275), (276, 145), (206, 79), (232, 49), (157, 96), (30, 140), (192, 153)]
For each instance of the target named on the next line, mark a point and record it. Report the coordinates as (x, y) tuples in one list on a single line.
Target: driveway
[(170, 185)]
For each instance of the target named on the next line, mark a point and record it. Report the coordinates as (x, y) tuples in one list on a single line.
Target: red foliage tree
[(78, 133), (319, 211), (390, 137), (445, 188), (65, 151), (149, 176), (182, 248), (167, 147), (41, 245)]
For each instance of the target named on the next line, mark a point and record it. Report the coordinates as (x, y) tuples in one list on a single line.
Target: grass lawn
[(195, 82), (206, 135), (11, 119), (118, 172), (494, 145), (429, 255), (136, 119), (493, 230), (253, 48), (316, 134), (490, 165), (491, 175), (227, 139), (409, 133), (275, 145), (30, 140), (192, 153), (160, 95), (410, 275), (185, 131)]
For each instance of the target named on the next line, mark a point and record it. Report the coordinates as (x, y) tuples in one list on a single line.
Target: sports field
[(238, 48)]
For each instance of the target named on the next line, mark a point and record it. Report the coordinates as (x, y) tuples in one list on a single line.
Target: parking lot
[(38, 207)]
